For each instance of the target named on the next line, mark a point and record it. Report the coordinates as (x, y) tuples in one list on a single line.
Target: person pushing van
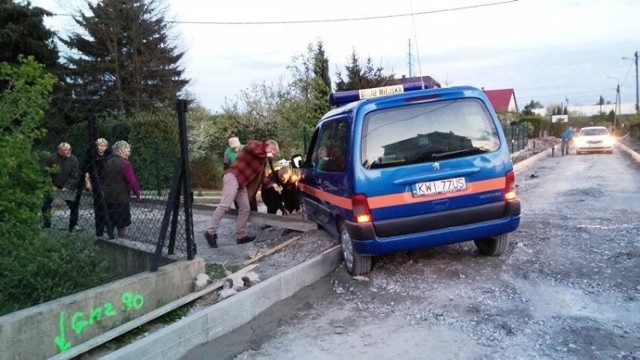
[(244, 173)]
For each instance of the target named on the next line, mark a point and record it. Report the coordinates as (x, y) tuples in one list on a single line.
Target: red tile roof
[(501, 98)]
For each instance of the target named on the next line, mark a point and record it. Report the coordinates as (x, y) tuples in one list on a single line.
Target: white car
[(593, 139)]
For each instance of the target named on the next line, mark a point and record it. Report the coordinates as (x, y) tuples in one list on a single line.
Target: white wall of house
[(590, 110)]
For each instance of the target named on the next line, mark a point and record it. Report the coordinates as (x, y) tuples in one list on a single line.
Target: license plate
[(439, 187)]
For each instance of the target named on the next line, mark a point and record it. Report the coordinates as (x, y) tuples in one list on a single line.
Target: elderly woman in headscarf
[(119, 180)]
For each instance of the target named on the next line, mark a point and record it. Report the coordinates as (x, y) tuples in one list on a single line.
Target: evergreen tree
[(312, 82), (359, 77), (320, 82), (22, 32), (126, 58)]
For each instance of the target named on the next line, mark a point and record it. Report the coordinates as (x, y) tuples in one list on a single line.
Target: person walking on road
[(566, 139), (245, 172)]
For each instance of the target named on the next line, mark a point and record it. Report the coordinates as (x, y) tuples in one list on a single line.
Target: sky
[(551, 51)]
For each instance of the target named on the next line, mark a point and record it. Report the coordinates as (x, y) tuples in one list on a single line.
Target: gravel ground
[(567, 288)]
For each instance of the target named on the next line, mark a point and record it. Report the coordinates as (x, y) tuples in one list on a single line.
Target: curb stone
[(177, 339)]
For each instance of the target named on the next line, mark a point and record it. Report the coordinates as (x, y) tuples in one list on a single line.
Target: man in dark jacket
[(247, 172), (65, 181)]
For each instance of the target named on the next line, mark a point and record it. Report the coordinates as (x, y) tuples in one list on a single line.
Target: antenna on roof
[(415, 35)]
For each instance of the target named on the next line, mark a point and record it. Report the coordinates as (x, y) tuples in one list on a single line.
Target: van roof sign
[(345, 97), (380, 91)]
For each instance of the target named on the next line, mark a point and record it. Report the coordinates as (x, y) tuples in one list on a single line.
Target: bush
[(33, 266), (48, 265)]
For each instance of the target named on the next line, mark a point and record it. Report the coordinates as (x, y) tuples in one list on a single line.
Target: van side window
[(331, 148)]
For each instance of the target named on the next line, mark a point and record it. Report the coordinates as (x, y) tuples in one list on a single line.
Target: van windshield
[(427, 132)]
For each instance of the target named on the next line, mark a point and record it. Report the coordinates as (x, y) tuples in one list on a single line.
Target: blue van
[(398, 170)]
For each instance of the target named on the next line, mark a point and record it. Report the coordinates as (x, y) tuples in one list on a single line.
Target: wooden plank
[(287, 222), (271, 251)]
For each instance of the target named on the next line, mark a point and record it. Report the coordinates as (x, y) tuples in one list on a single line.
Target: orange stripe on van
[(340, 201), (381, 201)]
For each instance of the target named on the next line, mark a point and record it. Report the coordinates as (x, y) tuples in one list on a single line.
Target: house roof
[(502, 99), (429, 82)]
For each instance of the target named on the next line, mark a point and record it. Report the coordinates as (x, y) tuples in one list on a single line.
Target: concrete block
[(251, 278), (55, 327), (202, 280), (226, 293)]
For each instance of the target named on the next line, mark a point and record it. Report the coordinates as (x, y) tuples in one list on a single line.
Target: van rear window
[(427, 132)]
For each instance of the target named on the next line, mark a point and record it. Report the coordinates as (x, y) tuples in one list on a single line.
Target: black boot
[(212, 240)]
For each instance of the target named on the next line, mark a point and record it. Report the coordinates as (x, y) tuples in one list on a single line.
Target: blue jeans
[(564, 147)]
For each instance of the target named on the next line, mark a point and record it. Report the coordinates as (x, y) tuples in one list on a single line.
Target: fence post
[(156, 153), (181, 109)]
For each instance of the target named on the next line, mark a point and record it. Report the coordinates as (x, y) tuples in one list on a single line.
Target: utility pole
[(618, 105), (411, 65), (635, 59), (637, 104)]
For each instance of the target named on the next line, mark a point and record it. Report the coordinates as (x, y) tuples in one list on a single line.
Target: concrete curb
[(178, 338), (527, 163), (634, 155)]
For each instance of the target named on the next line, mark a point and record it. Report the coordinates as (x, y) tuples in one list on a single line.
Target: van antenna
[(415, 35)]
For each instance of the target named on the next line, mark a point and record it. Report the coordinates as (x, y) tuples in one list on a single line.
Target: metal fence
[(517, 136), (158, 155)]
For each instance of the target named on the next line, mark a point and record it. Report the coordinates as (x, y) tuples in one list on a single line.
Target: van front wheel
[(355, 263), (493, 246)]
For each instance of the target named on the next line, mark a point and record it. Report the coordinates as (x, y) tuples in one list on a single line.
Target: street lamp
[(636, 62), (617, 110)]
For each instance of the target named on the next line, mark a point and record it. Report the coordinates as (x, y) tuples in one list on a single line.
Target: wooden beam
[(260, 218)]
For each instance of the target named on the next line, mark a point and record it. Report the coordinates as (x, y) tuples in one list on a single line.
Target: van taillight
[(361, 211), (510, 186)]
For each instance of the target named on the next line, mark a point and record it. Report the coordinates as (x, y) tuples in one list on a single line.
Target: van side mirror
[(296, 161)]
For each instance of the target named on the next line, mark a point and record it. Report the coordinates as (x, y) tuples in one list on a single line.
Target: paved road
[(567, 288)]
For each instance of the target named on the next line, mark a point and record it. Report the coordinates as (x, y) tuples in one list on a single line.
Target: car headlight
[(609, 141), (579, 142)]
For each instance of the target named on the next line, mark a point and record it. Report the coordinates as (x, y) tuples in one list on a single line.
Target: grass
[(219, 271)]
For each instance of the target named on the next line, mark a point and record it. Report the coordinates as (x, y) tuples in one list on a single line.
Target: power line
[(365, 18)]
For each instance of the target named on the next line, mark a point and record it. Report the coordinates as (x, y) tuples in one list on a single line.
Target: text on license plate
[(439, 187)]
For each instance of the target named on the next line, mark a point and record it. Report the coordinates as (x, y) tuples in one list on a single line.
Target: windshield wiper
[(469, 151)]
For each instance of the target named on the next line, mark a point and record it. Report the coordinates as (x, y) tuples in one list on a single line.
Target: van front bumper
[(417, 232)]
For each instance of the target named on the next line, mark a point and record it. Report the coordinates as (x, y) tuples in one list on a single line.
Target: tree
[(312, 82), (22, 32), (126, 56), (362, 77), (601, 102), (22, 178)]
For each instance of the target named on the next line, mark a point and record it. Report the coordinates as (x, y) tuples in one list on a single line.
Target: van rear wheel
[(355, 263), (493, 246)]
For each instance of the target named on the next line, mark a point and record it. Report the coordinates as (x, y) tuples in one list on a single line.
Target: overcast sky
[(547, 50)]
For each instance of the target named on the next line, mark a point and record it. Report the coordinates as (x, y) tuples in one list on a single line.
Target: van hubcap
[(347, 248)]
